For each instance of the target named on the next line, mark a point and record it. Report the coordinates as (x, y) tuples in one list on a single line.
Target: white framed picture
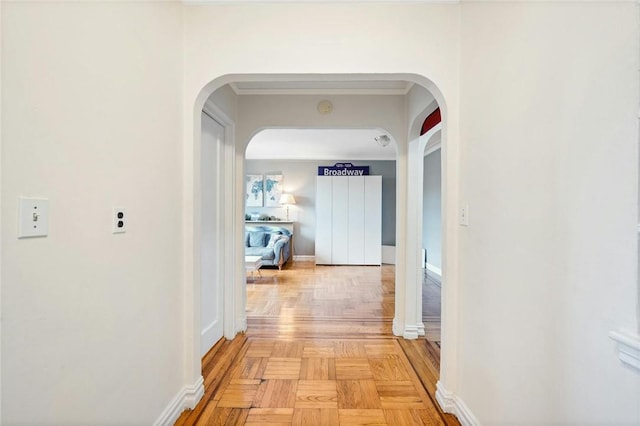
[(254, 185), (272, 189)]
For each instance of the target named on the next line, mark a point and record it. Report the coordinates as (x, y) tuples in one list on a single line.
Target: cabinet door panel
[(323, 220), (340, 221), (373, 220), (356, 220)]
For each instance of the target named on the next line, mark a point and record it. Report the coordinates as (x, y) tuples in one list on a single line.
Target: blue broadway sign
[(343, 169)]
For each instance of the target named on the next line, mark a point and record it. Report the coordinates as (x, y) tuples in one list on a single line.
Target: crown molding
[(232, 2), (322, 92), (228, 2)]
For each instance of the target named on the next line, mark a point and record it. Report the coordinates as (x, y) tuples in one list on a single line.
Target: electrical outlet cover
[(119, 220)]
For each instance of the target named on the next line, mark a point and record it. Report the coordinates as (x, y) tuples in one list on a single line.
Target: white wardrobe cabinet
[(348, 220)]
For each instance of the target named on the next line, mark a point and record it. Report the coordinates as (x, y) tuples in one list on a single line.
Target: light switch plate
[(464, 215), (33, 217)]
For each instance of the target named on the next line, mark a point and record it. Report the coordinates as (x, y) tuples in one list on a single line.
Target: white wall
[(91, 118), (549, 132), (431, 213)]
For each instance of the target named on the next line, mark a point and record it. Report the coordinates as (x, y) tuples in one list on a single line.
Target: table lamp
[(287, 200)]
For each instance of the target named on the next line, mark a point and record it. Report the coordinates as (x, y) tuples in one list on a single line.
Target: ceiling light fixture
[(325, 107), (383, 140)]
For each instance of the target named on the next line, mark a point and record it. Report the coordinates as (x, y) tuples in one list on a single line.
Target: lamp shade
[(287, 199)]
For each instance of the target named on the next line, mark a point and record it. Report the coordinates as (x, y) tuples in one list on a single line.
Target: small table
[(253, 264)]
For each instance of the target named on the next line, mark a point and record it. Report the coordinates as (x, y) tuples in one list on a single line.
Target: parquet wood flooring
[(431, 308), (310, 357)]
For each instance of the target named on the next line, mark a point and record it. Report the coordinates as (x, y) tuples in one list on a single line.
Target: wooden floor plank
[(317, 394), (315, 416)]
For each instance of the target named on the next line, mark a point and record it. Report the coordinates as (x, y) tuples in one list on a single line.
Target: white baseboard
[(451, 403), (187, 398), (389, 255), (304, 258), (397, 327), (628, 345), (209, 337), (406, 331), (410, 332), (242, 325), (435, 271)]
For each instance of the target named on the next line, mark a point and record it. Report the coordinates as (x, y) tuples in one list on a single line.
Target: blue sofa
[(272, 243)]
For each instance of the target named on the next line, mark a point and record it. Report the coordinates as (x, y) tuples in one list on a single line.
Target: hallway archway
[(406, 322)]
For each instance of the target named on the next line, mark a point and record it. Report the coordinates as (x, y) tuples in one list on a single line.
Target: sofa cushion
[(273, 239), (265, 253), (257, 239)]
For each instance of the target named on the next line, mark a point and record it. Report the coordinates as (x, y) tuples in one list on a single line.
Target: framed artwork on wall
[(254, 185), (272, 189)]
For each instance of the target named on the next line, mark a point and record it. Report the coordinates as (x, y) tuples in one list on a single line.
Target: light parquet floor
[(431, 309), (319, 351)]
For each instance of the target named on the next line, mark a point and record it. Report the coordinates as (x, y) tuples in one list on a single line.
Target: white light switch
[(464, 215), (33, 217)]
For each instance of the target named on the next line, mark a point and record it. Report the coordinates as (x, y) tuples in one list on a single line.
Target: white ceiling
[(319, 144)]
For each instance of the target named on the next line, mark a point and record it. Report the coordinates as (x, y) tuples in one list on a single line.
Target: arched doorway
[(294, 156), (407, 321)]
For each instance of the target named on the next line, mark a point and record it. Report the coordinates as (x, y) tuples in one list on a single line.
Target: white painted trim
[(435, 271), (628, 346), (397, 327), (324, 92), (451, 403), (389, 255), (411, 331), (434, 144), (431, 149), (187, 398), (242, 324), (304, 258), (222, 2), (207, 330)]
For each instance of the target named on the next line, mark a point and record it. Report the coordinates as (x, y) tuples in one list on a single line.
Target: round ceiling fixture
[(383, 140), (325, 107)]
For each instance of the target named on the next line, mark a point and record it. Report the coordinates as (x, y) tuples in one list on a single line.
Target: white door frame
[(215, 329), (225, 218), (415, 215)]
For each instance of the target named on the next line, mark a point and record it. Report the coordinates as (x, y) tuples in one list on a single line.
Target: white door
[(356, 214), (211, 311), (323, 219), (373, 220), (340, 221)]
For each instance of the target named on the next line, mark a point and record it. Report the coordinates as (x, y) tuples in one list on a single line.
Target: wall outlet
[(119, 218)]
